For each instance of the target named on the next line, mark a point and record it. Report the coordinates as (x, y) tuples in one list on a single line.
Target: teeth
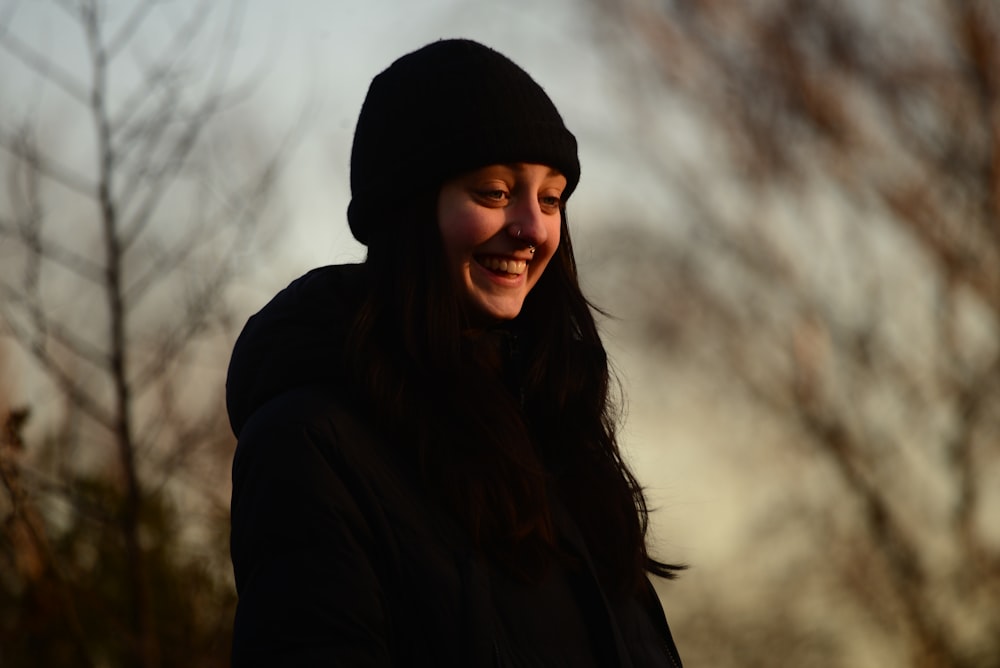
[(507, 266)]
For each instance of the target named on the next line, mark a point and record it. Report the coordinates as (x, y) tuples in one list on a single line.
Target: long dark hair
[(521, 416)]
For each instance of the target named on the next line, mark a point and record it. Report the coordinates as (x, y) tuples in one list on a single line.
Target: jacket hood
[(296, 339)]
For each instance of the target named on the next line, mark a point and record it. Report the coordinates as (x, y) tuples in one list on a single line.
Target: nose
[(527, 222)]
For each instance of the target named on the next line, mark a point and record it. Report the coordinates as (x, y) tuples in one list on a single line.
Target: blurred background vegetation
[(800, 246)]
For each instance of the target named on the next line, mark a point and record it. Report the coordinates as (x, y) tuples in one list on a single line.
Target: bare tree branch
[(27, 151), (66, 381), (160, 78), (129, 28), (149, 163), (41, 65)]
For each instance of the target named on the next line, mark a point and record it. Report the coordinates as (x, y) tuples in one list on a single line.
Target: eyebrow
[(519, 167)]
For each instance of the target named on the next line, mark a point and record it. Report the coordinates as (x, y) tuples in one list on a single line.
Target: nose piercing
[(531, 247)]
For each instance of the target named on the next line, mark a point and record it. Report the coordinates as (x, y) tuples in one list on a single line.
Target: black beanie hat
[(447, 108)]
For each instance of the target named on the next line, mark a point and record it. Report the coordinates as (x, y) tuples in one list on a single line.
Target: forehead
[(518, 170)]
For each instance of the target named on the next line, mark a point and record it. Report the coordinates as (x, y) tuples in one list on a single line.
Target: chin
[(492, 312)]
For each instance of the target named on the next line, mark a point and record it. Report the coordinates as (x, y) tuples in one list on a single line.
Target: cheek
[(554, 237), (555, 231), (458, 231)]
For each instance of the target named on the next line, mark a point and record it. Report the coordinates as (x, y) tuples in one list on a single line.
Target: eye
[(550, 203), (493, 196)]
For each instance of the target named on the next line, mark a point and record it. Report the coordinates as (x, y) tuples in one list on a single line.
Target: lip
[(527, 257), (501, 279)]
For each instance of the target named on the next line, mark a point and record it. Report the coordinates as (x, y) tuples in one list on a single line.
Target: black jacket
[(339, 557)]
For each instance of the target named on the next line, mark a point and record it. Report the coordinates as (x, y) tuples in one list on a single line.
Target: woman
[(427, 471)]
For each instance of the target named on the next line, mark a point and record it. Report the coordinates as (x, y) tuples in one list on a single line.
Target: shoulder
[(295, 340), (309, 475), (312, 411), (292, 456), (306, 432), (307, 457)]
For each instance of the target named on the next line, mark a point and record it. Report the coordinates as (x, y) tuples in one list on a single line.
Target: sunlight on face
[(500, 227)]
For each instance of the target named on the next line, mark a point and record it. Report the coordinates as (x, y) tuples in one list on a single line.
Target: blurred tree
[(834, 248), (129, 197)]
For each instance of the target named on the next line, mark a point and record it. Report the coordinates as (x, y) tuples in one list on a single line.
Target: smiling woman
[(427, 470), (500, 226)]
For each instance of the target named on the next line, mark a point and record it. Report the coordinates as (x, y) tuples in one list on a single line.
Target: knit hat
[(447, 108)]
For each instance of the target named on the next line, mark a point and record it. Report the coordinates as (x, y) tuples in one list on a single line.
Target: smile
[(501, 265)]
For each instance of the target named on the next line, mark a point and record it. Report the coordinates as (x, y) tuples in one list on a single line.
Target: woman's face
[(490, 219)]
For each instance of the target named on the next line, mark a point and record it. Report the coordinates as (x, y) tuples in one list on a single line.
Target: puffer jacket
[(341, 558)]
